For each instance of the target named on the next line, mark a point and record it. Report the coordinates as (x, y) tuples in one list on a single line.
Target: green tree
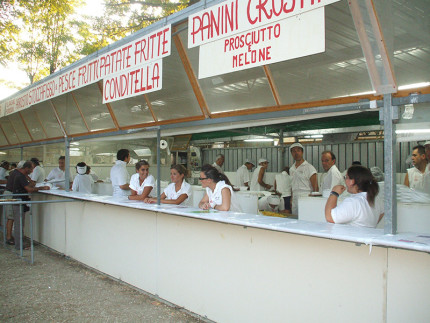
[(8, 29)]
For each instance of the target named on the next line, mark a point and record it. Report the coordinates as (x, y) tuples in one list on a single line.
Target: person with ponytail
[(359, 209), (178, 192), (219, 192)]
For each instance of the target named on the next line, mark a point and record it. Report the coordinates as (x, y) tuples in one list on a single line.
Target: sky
[(12, 73)]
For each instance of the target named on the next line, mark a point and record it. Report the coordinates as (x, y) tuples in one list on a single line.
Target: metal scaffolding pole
[(389, 115)]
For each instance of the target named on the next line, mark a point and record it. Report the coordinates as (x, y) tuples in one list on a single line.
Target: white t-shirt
[(171, 194), (215, 197), (3, 173), (417, 179), (136, 186), (355, 210), (255, 186), (330, 179), (218, 168), (119, 176), (83, 183), (283, 184), (242, 176), (300, 177), (57, 176), (38, 174)]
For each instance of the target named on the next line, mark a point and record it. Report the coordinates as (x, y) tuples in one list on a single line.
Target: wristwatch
[(334, 193)]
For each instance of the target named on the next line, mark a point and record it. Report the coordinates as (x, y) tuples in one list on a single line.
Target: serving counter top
[(368, 236)]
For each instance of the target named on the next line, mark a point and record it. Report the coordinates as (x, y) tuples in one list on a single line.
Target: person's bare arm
[(332, 202), (380, 217), (314, 182), (226, 200), (32, 189), (260, 179), (204, 203), (407, 180), (142, 196), (125, 187)]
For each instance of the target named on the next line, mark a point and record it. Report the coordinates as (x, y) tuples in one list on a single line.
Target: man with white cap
[(219, 161), (417, 175), (303, 176), (258, 179), (242, 174), (270, 203)]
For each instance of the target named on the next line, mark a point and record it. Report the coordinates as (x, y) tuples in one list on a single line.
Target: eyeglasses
[(202, 178)]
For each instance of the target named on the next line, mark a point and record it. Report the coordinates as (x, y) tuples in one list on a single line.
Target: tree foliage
[(45, 35)]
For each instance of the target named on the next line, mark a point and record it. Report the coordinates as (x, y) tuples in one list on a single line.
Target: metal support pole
[(390, 114), (67, 165), (4, 225), (22, 153), (20, 232), (281, 151), (158, 166), (31, 236)]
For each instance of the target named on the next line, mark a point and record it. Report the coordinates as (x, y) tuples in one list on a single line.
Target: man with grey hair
[(219, 161)]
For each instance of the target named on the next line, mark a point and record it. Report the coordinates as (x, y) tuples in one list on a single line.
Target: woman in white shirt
[(359, 209), (219, 192), (83, 182), (178, 192), (141, 183)]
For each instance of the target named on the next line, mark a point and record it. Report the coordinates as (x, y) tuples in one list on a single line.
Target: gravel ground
[(57, 289)]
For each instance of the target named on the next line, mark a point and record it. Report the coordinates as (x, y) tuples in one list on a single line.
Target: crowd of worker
[(360, 207)]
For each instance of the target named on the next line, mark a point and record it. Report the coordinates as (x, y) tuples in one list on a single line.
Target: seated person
[(219, 192), (141, 183), (359, 209), (178, 192), (83, 182)]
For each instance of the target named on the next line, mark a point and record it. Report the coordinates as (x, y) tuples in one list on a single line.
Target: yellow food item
[(269, 213)]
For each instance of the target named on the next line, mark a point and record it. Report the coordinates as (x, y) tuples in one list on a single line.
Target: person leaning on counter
[(219, 192), (361, 208), (141, 183), (177, 192)]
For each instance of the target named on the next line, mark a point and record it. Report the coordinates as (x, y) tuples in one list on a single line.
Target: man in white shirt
[(427, 175), (119, 175), (242, 174), (415, 175), (4, 167), (258, 178), (57, 176), (283, 188), (38, 174), (332, 175), (303, 177), (219, 161)]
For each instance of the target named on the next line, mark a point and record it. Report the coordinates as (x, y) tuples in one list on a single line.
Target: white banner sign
[(298, 36), (138, 60), (236, 16), (133, 82)]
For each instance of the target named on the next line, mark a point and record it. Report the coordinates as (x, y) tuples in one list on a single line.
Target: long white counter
[(238, 267)]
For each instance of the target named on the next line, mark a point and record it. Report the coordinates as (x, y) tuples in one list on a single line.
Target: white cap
[(296, 144), (273, 200), (247, 161), (427, 143), (262, 160), (20, 164), (81, 169)]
